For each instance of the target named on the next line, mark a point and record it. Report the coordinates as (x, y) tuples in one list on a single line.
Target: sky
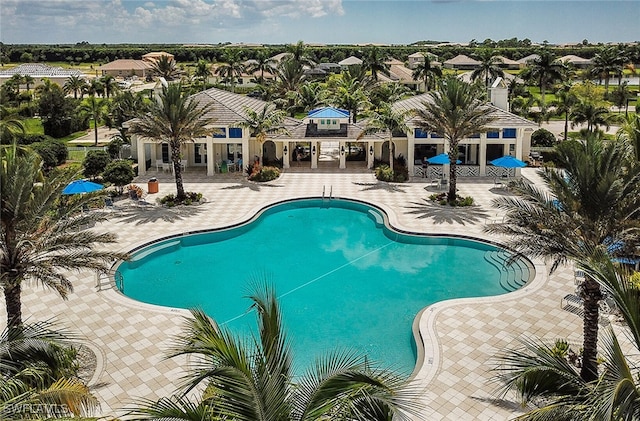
[(315, 21)]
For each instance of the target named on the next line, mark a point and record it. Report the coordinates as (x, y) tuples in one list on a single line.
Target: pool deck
[(461, 336)]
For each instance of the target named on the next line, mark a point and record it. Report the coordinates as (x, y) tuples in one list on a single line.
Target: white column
[(482, 157), (142, 166), (411, 154), (371, 153), (211, 161), (286, 155), (246, 156), (343, 155), (315, 149), (518, 148)]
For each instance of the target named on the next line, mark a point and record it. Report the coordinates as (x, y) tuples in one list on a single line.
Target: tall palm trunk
[(391, 153), (12, 292), (591, 295), (95, 131), (451, 196), (177, 169)]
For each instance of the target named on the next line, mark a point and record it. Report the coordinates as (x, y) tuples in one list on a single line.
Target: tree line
[(104, 53)]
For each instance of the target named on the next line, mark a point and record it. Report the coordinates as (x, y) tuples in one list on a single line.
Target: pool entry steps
[(514, 273)]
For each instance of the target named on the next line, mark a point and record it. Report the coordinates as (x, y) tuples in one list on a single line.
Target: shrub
[(399, 174), (95, 163), (113, 148), (384, 173), (30, 138), (265, 174), (53, 152), (120, 173), (171, 200), (543, 137), (441, 198)]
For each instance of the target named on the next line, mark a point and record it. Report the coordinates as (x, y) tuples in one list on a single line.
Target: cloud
[(120, 20)]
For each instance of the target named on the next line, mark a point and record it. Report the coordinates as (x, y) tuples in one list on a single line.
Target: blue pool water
[(345, 280)]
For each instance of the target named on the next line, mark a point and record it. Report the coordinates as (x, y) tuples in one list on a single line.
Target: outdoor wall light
[(285, 149), (370, 150), (313, 150), (342, 150)]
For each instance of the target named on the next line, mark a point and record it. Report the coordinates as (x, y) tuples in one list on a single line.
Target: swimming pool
[(344, 278)]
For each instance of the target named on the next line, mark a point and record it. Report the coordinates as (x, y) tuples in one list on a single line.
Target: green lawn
[(33, 126)]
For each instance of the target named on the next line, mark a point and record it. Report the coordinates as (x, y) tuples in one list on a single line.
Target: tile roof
[(462, 60), (528, 58), (40, 70), (228, 108), (575, 59), (502, 118), (126, 64), (350, 61), (506, 60)]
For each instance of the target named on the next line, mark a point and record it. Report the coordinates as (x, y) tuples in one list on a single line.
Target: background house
[(38, 72), (125, 68)]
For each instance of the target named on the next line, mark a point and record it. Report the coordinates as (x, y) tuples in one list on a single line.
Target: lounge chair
[(108, 204)]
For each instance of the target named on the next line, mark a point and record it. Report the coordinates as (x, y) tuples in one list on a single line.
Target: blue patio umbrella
[(508, 161), (441, 159), (81, 186)]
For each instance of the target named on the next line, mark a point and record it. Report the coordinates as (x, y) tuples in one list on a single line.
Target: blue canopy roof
[(328, 112)]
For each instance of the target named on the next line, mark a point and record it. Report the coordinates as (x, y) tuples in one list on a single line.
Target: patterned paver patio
[(461, 336)]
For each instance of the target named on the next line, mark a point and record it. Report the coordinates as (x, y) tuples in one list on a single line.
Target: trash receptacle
[(153, 186)]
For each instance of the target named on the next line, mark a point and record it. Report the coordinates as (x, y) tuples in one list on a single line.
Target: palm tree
[(489, 67), (109, 84), (629, 133), (125, 106), (309, 96), (387, 93), (231, 69), (175, 119), (454, 112), (348, 93), (96, 110), (41, 237), (592, 202), (427, 71), (261, 123), (95, 87), (75, 84), (565, 103), (374, 62), (594, 115), (35, 374), (290, 75), (358, 73), (605, 62), (28, 80), (299, 53), (253, 380), (262, 63), (203, 72), (387, 121), (165, 67), (540, 370), (545, 69), (10, 125)]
